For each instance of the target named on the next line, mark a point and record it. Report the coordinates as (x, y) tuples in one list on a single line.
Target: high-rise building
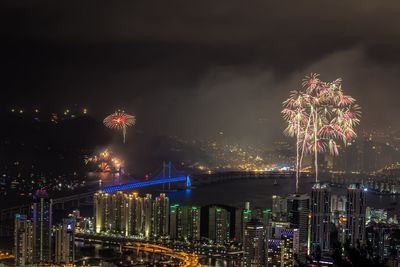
[(254, 244), (135, 215), (242, 216), (161, 216), (266, 220), (283, 247), (175, 222), (298, 207), (219, 225), (288, 237), (192, 222), (23, 240), (102, 212), (119, 213), (42, 225), (320, 218), (277, 228), (148, 216), (356, 209), (64, 242), (184, 223), (274, 253), (279, 208)]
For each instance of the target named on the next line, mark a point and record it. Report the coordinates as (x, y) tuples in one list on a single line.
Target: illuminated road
[(186, 259), (6, 255)]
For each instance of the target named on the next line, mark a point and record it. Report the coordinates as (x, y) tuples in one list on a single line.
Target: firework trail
[(119, 120)]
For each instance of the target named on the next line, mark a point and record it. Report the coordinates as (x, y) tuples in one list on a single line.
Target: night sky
[(195, 68)]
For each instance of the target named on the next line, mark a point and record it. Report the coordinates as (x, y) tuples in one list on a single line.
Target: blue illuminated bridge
[(134, 185)]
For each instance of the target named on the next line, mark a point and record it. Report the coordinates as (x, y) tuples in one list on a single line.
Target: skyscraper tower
[(119, 213), (191, 223), (184, 223), (288, 246), (266, 219), (356, 209), (320, 218), (175, 222), (161, 216), (135, 215), (279, 208), (102, 211), (298, 207), (64, 242), (23, 240), (219, 225), (148, 216), (254, 244), (42, 224), (242, 216)]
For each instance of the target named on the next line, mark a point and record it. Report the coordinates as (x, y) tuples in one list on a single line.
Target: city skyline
[(228, 133)]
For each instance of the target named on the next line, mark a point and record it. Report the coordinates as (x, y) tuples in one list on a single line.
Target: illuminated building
[(266, 220), (148, 216), (356, 209), (175, 222), (184, 223), (242, 216), (320, 218), (64, 242), (193, 224), (102, 212), (135, 216), (119, 213), (279, 208), (283, 246), (278, 227), (254, 240), (338, 203), (274, 253), (378, 236), (42, 225), (298, 207), (288, 246), (219, 225), (376, 215), (23, 240), (298, 211), (161, 216)]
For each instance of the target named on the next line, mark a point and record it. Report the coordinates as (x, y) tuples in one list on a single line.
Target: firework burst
[(319, 115), (120, 121)]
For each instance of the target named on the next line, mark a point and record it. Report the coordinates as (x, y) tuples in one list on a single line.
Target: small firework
[(104, 167), (119, 120)]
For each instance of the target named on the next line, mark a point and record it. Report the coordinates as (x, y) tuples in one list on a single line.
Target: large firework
[(119, 120), (319, 115)]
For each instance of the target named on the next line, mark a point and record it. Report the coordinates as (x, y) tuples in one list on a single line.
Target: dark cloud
[(195, 68)]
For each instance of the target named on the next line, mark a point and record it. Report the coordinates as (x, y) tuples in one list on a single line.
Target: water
[(259, 193)]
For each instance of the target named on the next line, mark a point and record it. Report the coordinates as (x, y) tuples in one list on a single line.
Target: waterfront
[(259, 193)]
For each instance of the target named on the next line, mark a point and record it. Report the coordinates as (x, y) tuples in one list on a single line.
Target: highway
[(186, 259)]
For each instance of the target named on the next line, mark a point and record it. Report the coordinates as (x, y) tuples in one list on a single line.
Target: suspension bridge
[(168, 175)]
